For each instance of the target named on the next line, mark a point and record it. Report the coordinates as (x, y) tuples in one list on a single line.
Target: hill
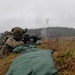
[(51, 32)]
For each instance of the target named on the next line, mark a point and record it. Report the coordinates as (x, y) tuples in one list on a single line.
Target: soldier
[(34, 38), (12, 40)]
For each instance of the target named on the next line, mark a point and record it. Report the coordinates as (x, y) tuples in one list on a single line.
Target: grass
[(64, 55)]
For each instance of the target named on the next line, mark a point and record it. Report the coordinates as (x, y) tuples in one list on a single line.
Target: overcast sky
[(33, 13)]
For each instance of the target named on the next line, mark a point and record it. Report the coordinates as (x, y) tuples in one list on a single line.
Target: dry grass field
[(64, 55)]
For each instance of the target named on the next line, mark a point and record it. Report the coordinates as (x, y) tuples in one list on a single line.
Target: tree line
[(50, 32)]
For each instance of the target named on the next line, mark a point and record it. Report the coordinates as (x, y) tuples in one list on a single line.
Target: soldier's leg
[(3, 50)]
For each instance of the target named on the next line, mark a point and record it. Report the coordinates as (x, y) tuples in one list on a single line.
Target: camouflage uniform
[(5, 47), (13, 40)]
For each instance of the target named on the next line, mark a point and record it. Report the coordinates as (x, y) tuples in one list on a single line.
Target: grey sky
[(32, 13)]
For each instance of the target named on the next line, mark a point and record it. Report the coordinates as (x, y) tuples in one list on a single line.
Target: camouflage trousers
[(5, 49)]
